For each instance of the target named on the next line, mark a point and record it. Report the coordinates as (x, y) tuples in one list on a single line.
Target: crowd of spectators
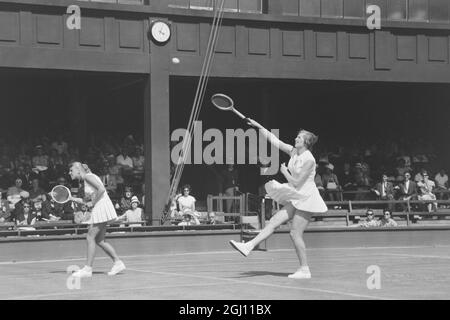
[(30, 168), (385, 171)]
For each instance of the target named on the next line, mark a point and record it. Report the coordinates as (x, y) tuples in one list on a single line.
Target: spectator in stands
[(62, 211), (138, 160), (40, 160), (36, 192), (387, 220), (401, 169), (126, 163), (25, 217), (22, 158), (441, 180), (419, 176), (56, 162), (5, 210), (230, 185), (38, 212), (319, 184), (134, 214), (189, 220), (362, 181), (331, 184), (212, 219), (186, 202), (407, 190), (115, 170), (426, 187), (28, 176), (14, 192), (61, 146), (385, 190), (81, 213), (370, 220), (125, 201), (109, 181)]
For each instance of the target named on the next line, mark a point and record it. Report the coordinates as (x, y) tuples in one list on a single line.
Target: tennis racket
[(225, 103), (60, 194)]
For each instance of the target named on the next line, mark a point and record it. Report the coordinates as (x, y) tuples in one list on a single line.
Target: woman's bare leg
[(299, 223), (90, 237), (283, 215), (100, 240)]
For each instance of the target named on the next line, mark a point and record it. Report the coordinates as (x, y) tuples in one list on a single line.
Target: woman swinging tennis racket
[(300, 196), (102, 212)]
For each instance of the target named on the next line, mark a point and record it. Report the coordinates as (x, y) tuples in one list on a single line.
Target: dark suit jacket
[(412, 190), (389, 189)]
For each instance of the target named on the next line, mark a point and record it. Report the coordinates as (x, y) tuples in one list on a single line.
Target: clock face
[(160, 31)]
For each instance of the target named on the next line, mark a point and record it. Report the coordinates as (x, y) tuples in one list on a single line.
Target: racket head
[(222, 101), (60, 194)]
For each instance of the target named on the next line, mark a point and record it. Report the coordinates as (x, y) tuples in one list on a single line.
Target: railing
[(138, 2), (247, 6)]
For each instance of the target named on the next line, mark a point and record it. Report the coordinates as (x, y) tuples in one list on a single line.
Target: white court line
[(215, 252), (112, 290), (416, 256), (262, 284)]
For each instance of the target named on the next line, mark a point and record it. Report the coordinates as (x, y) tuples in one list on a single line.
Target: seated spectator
[(426, 187), (38, 212), (331, 184), (5, 210), (385, 190), (319, 184), (125, 201), (212, 219), (186, 202), (25, 217), (387, 220), (419, 176), (407, 190), (138, 160), (81, 213), (109, 181), (401, 169), (14, 192), (362, 181), (441, 180), (36, 192), (124, 160), (28, 176), (370, 220), (189, 220), (62, 211), (56, 162), (60, 146), (134, 214), (115, 170), (40, 160), (174, 207)]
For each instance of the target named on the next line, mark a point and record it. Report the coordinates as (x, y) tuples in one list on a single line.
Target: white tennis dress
[(305, 197), (103, 210)]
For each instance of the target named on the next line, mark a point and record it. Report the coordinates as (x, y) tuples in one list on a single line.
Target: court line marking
[(262, 284), (111, 290), (215, 252), (416, 255)]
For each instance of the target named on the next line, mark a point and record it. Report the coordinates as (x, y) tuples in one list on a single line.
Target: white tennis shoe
[(118, 267), (85, 272), (243, 248), (302, 273)]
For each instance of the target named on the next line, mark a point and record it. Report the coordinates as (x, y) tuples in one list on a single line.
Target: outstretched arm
[(285, 147)]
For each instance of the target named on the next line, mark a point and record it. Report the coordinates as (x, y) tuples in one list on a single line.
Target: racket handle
[(240, 114)]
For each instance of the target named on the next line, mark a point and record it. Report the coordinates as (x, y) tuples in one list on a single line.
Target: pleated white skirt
[(306, 200), (103, 211)]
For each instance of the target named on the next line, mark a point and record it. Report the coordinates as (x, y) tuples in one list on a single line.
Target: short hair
[(369, 211), (310, 138), (186, 186)]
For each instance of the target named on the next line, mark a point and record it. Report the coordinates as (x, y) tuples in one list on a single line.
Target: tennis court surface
[(412, 264)]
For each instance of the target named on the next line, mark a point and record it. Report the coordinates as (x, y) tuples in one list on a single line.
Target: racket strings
[(198, 101), (60, 194)]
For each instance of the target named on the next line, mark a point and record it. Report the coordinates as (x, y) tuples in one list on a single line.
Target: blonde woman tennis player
[(299, 196), (102, 212)]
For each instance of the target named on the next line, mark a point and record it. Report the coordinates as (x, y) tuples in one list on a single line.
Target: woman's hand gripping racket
[(225, 103), (61, 194)]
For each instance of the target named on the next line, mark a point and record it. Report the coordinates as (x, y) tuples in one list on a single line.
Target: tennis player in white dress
[(299, 196), (102, 212)]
